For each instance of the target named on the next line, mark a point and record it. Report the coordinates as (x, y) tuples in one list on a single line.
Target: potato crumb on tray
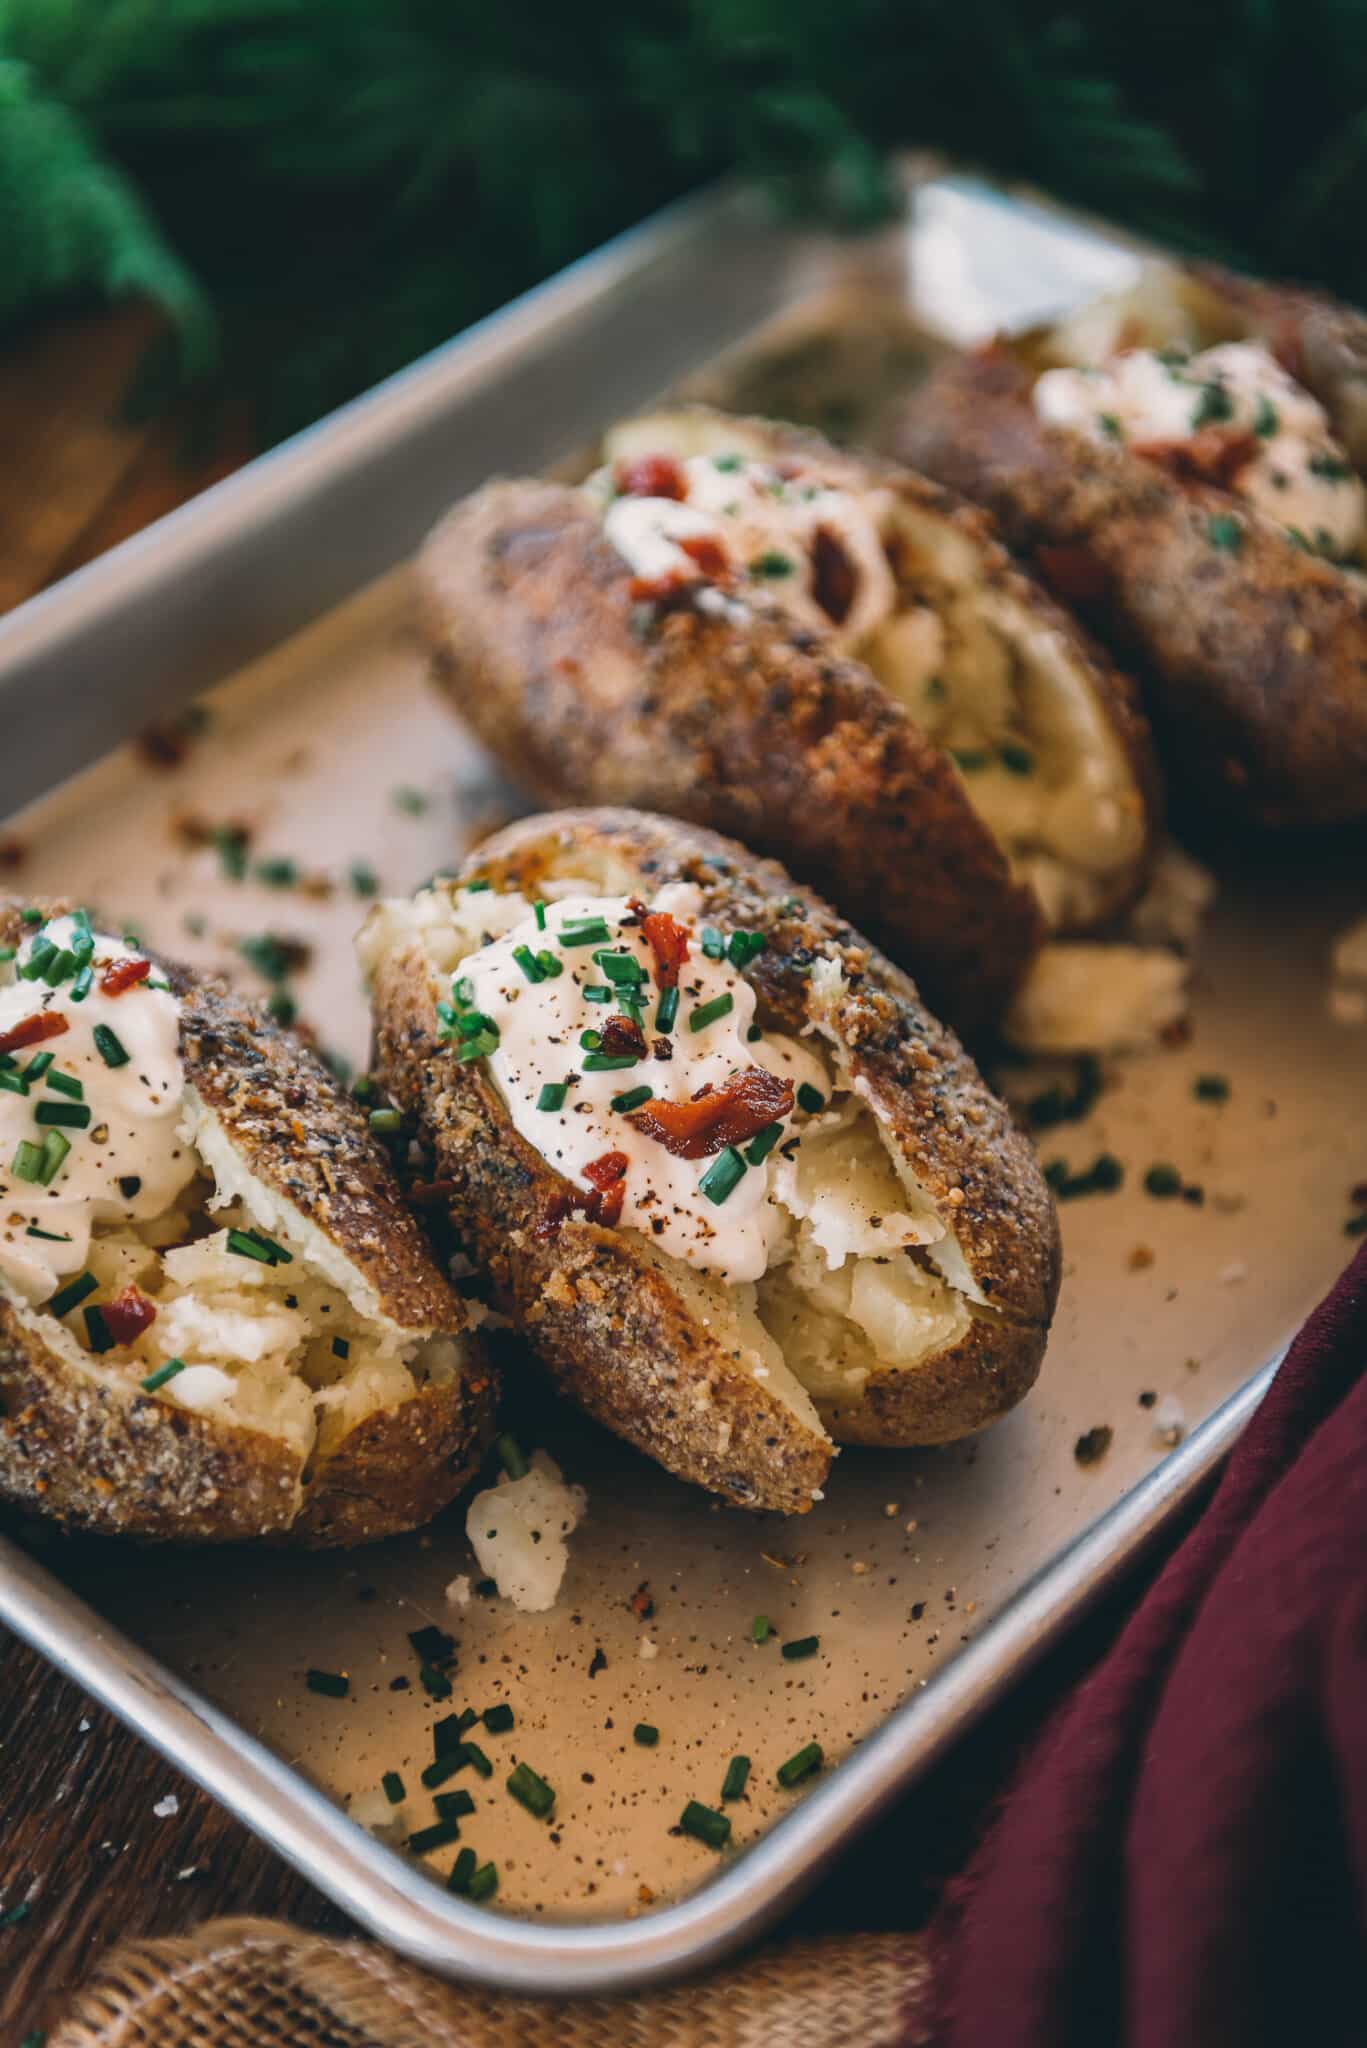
[(518, 1528)]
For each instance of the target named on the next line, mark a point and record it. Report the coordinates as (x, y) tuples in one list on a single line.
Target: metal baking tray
[(931, 1578)]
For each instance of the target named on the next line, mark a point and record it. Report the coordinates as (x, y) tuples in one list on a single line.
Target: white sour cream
[(127, 1160), (1299, 476), (786, 540), (539, 1029)]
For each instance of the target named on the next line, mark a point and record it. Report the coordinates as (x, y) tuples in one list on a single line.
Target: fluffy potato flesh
[(860, 1274), (992, 680)]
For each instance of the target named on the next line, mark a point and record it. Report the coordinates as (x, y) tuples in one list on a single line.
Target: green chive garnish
[(55, 1149), (475, 1755), (27, 1163), (708, 1013), (66, 1084), (478, 888), (705, 1824), (1017, 760), (31, 916), (597, 992), (645, 1734), (667, 1010), (13, 1084), (531, 1791), (462, 1870), (453, 1805), (584, 932), (540, 910), (394, 1789), (384, 1122), (1210, 1088), (80, 987), (1224, 532), (277, 873), (549, 964), (74, 1116), (809, 1098), (434, 1682), (722, 1175), (108, 1047), (1162, 1181), (38, 1065), (510, 1456), (743, 947), (97, 1334), (7, 953), (552, 1096), (363, 878), (590, 1040), (484, 1883), (340, 1348), (801, 1646), (799, 1766), (498, 1719), (761, 1628), (759, 1148), (620, 967), (609, 1062), (526, 960), (479, 1047), (632, 1099), (443, 1767), (253, 1244), (334, 1685), (737, 1772), (713, 945), (437, 1836), (52, 1236), (66, 1298), (162, 1374), (40, 952)]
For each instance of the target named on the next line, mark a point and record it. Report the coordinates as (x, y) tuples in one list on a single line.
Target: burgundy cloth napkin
[(1182, 1860)]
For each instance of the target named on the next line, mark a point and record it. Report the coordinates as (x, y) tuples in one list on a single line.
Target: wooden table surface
[(92, 1850)]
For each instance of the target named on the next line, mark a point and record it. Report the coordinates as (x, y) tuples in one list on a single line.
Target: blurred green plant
[(318, 190)]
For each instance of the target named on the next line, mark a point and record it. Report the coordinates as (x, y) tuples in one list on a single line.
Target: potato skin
[(757, 730), (129, 1464), (1255, 658), (623, 1344)]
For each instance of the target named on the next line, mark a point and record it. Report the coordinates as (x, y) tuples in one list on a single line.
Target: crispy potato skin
[(755, 729), (1255, 659), (129, 1464), (596, 1304)]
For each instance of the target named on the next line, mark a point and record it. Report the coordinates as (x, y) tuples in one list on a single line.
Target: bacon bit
[(662, 1048), (661, 589), (33, 1030), (1071, 573), (13, 852), (608, 1175), (668, 941), (162, 746), (651, 476), (834, 578), (553, 1213), (1214, 455), (1358, 1195), (640, 1603), (1176, 1034), (747, 1105), (121, 975), (606, 1171), (709, 554), (623, 1035), (128, 1315)]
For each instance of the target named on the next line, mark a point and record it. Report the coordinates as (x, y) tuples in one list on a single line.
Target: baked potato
[(1183, 464), (744, 1196), (217, 1318), (736, 624)]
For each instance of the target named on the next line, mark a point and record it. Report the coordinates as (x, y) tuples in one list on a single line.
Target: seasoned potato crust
[(620, 1326)]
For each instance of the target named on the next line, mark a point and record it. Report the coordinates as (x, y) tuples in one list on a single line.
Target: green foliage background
[(317, 190)]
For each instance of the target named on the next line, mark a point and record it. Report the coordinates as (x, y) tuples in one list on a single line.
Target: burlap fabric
[(260, 1984)]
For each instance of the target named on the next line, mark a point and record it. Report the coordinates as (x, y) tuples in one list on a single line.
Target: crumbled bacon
[(33, 1030), (717, 1117), (623, 1035), (651, 476), (675, 583), (835, 580), (709, 554), (668, 941), (1213, 455), (606, 1171), (128, 1315), (608, 1175), (121, 975), (1072, 573)]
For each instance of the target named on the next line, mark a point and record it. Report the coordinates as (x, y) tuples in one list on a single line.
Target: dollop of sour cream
[(1293, 470), (540, 1025), (112, 1076), (757, 533)]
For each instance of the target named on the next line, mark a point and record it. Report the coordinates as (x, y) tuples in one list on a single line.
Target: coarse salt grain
[(164, 1808)]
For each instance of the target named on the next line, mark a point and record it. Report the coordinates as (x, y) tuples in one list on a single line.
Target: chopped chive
[(1265, 420), (340, 1348), (334, 1685), (55, 1149), (771, 563), (759, 1149), (713, 945), (443, 1767), (27, 1163), (66, 1298), (230, 844), (585, 932), (463, 989), (466, 1718), (609, 1062), (801, 1646), (632, 1099), (97, 1330), (454, 1805), (475, 1755), (162, 1374), (549, 964), (800, 1765), (13, 1084), (498, 1719), (1017, 760), (510, 1456), (761, 1628), (66, 1084), (384, 1122), (480, 888), (590, 1040), (29, 915), (970, 760), (1210, 1088), (435, 1682), (40, 951), (540, 910), (363, 878), (743, 947), (484, 1883), (108, 1046), (526, 960), (446, 1735), (57, 968), (254, 1244), (667, 1009), (621, 968), (531, 1791), (80, 987), (705, 1824), (809, 1098), (708, 1013), (413, 802), (462, 1870), (1224, 532), (474, 1022), (432, 1645), (1162, 1180), (362, 1088), (479, 1047), (38, 1065), (74, 1116), (486, 1588), (737, 1772), (723, 1175), (52, 1236), (279, 872), (437, 1836), (552, 1096), (7, 953), (645, 1734), (280, 1005), (597, 992), (394, 1789)]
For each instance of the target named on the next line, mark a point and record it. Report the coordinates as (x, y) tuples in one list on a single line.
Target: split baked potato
[(834, 661), (743, 1195), (1184, 464), (217, 1318)]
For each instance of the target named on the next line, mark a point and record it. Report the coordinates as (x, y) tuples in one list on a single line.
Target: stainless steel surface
[(930, 1577)]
